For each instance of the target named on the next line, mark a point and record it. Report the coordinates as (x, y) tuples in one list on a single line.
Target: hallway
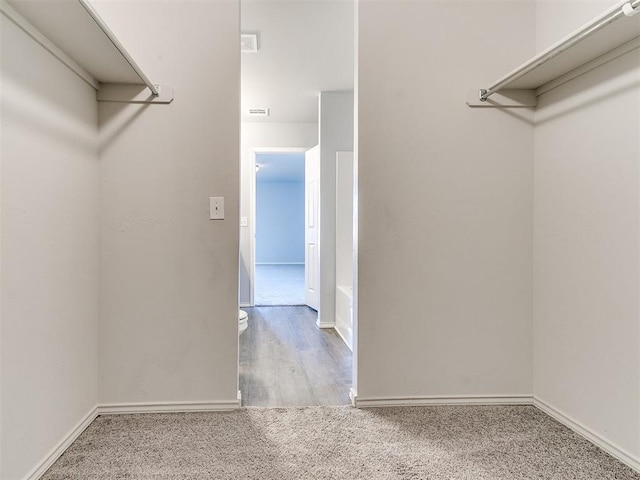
[(285, 360)]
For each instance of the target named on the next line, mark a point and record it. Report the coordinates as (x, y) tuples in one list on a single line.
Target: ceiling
[(280, 167), (305, 47)]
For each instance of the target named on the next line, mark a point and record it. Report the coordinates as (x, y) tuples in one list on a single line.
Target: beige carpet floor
[(434, 443)]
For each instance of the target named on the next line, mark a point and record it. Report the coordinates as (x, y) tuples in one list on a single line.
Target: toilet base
[(243, 321)]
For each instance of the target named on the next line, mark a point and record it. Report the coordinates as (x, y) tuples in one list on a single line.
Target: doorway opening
[(297, 88), (279, 229)]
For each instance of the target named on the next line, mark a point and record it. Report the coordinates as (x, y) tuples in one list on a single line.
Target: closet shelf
[(606, 37), (73, 32)]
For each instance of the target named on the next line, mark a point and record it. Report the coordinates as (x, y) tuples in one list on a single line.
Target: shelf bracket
[(127, 93), (503, 99)]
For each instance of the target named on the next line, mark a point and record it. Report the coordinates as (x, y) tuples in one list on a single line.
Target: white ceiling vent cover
[(249, 42), (258, 112)]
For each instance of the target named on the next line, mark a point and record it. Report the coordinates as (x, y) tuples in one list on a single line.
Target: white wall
[(344, 246), (445, 202), (169, 275), (586, 240), (344, 218), (49, 252), (263, 135), (336, 134), (280, 222)]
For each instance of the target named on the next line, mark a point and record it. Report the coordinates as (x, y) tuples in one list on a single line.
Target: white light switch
[(244, 222), (216, 208)]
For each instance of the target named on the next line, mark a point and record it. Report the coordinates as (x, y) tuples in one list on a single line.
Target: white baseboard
[(169, 407), (245, 305), (360, 402), (321, 324), (353, 395), (60, 448), (346, 336), (595, 438)]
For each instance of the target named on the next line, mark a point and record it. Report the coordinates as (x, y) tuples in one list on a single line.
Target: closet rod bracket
[(503, 99)]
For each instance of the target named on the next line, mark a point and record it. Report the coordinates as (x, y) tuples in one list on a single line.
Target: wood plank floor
[(285, 360)]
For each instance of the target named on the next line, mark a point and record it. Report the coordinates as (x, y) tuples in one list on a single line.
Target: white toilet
[(243, 321)]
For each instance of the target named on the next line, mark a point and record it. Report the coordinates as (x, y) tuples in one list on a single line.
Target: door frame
[(252, 210)]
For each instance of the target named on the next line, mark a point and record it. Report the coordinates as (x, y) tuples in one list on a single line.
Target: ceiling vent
[(249, 42), (258, 112)]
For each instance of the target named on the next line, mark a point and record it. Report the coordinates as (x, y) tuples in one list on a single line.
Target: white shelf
[(607, 43), (74, 33), (601, 42)]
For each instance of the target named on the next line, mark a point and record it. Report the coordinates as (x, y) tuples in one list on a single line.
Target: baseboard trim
[(321, 324), (60, 448), (344, 335), (245, 305), (353, 395), (168, 407), (598, 440), (360, 402)]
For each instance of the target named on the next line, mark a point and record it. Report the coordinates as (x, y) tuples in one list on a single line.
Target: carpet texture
[(279, 285), (435, 443)]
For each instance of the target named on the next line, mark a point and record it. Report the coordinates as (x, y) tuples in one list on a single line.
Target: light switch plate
[(216, 208), (244, 222)]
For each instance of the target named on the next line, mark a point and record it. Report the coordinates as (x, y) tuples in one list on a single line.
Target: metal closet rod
[(116, 43), (628, 9)]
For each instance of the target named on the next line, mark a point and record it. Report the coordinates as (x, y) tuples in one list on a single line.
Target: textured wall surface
[(49, 313), (445, 202), (586, 240), (169, 275)]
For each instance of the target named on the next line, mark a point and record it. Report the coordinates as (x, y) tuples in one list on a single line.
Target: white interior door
[(312, 227)]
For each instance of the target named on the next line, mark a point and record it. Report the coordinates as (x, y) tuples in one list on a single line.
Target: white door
[(312, 227)]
